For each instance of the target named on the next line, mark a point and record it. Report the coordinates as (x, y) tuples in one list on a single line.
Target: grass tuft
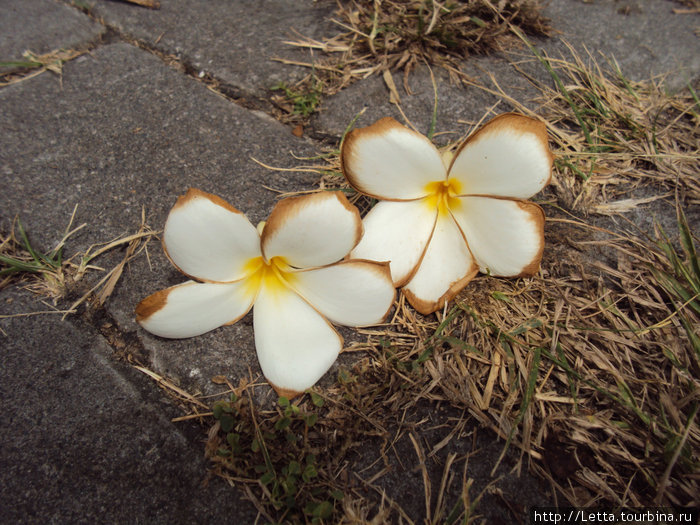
[(52, 275), (398, 35)]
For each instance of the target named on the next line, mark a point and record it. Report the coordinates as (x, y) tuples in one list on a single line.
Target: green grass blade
[(629, 401), (689, 246), (447, 320), (529, 390), (21, 63), (531, 383), (695, 97), (351, 125), (565, 93), (15, 266), (433, 117), (675, 288), (25, 241)]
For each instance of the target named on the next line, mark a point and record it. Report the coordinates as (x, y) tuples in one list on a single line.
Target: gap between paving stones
[(231, 93), (236, 95)]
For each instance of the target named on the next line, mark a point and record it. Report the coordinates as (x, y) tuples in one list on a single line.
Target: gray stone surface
[(84, 437), (232, 41), (87, 439), (119, 131), (41, 26)]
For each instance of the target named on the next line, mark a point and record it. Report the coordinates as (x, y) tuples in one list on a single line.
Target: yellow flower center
[(442, 194), (275, 275)]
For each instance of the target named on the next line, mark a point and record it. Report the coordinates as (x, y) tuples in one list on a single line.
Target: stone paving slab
[(88, 439), (234, 42), (42, 26), (119, 131)]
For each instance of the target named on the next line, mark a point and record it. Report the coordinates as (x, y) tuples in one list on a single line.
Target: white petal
[(191, 308), (506, 237), (209, 239), (389, 161), (446, 268), (397, 232), (312, 230), (352, 293), (508, 157), (295, 344)]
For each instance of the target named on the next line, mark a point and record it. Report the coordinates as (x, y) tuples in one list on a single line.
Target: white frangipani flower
[(441, 219), (293, 273)]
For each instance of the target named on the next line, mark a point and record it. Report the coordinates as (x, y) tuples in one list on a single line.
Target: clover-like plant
[(293, 273), (442, 218)]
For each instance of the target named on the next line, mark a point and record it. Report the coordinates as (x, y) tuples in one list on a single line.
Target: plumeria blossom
[(443, 218), (292, 273)]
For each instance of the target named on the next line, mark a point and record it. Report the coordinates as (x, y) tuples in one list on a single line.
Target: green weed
[(304, 98), (275, 453)]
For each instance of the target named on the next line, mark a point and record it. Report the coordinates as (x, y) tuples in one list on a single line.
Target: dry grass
[(52, 275), (591, 369), (693, 5), (636, 138), (378, 36), (34, 64)]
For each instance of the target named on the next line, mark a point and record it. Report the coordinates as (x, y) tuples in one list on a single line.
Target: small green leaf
[(345, 377), (283, 402), (319, 511), (227, 422), (221, 407), (283, 423), (234, 441), (527, 325), (500, 296), (289, 485), (316, 399), (294, 467), (267, 478), (323, 510), (309, 473)]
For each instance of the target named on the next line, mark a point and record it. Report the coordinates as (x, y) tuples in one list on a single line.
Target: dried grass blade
[(424, 472), (527, 398), (170, 386)]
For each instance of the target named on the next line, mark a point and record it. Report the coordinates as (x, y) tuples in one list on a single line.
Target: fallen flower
[(291, 271), (441, 219)]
